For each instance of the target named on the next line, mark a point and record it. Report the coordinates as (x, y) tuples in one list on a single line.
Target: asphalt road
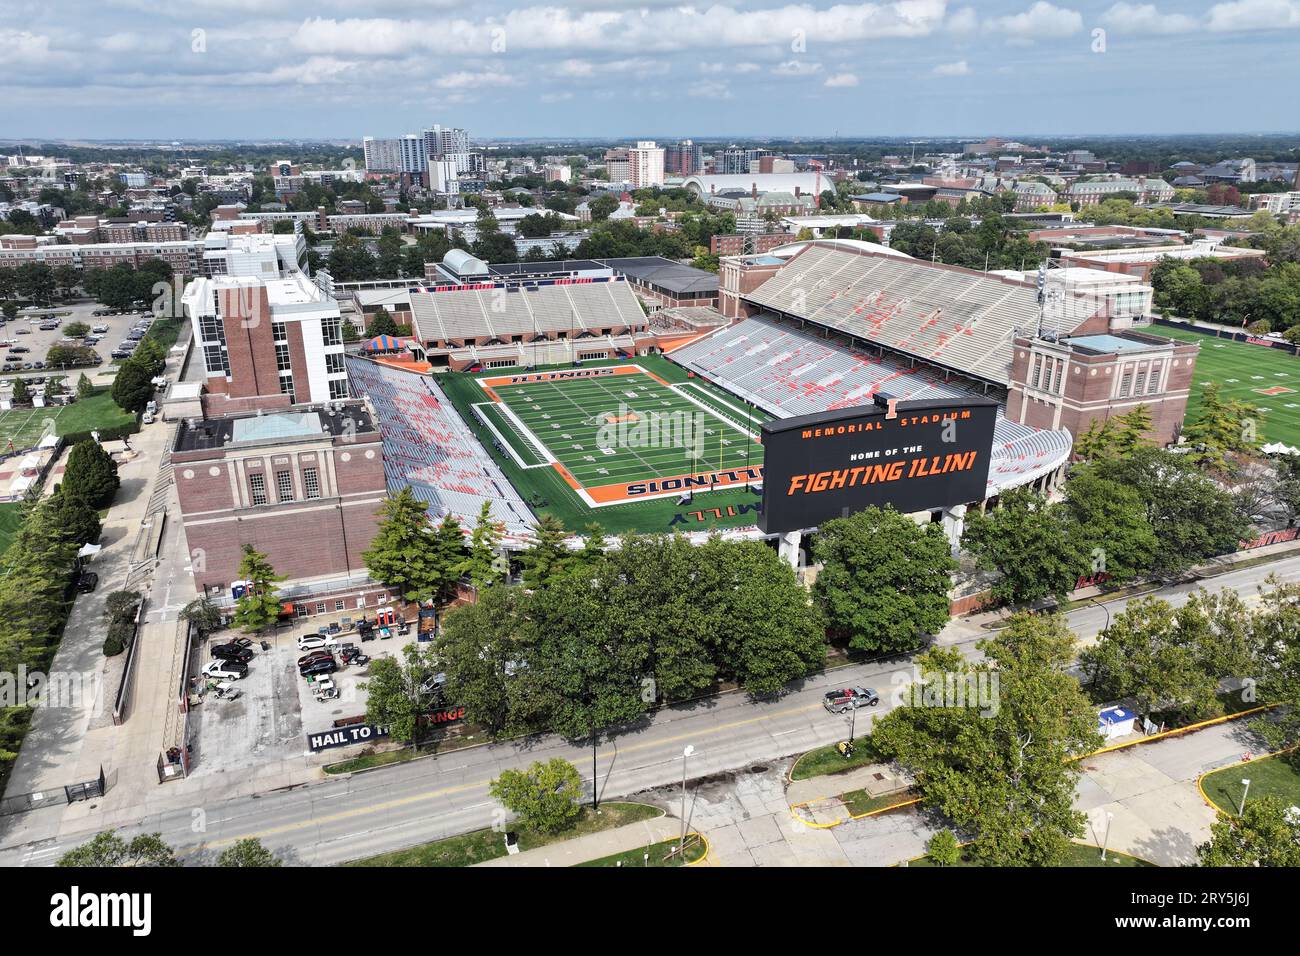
[(337, 820)]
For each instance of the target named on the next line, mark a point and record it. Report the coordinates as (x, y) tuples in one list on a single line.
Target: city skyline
[(608, 69)]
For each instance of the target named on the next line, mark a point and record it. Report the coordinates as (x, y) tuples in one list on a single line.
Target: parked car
[(319, 655), (314, 668), (99, 329), (225, 670), (231, 652), (87, 582), (309, 642), (846, 698)]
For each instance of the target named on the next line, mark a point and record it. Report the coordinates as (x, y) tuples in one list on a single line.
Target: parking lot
[(276, 708), (25, 332)]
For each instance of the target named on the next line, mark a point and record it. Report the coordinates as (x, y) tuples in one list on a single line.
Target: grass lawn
[(10, 519), (1243, 371), (1273, 776), (858, 802), (661, 854), (571, 406), (25, 426), (1078, 855), (483, 845), (827, 760)]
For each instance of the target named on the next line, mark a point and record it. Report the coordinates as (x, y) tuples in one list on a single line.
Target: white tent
[(1277, 448)]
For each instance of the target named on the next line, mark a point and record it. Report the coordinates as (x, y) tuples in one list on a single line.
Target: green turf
[(1240, 368), (1273, 776), (10, 519), (25, 426), (568, 416), (655, 855), (548, 493)]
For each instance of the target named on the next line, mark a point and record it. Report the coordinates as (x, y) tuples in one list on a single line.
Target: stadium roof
[(806, 183), (665, 273)]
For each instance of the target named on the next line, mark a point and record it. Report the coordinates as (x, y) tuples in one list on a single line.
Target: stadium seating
[(473, 314), (789, 371), (959, 319), (429, 447)]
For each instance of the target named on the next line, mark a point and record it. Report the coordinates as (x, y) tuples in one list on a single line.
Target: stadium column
[(954, 523), (788, 548)]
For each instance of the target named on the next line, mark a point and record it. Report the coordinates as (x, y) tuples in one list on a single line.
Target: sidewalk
[(594, 846)]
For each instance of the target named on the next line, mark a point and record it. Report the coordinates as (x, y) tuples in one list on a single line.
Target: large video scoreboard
[(912, 456)]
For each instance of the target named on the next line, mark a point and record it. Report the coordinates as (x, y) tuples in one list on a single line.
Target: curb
[(1241, 763)]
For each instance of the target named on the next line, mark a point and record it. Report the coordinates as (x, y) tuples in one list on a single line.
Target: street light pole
[(1241, 807), (1106, 840), (686, 752)]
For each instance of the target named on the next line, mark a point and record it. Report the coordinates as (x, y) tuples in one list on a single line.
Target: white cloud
[(136, 43), (710, 91), (842, 80), (646, 30), (1042, 20), (960, 68), (575, 68), (20, 46), (965, 20), (729, 67), (1254, 15), (466, 79), (1146, 18), (797, 68)]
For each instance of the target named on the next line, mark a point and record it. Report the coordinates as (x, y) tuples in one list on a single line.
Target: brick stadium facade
[(302, 487), (1070, 384)]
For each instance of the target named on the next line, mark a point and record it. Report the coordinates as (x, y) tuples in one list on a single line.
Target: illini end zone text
[(812, 484)]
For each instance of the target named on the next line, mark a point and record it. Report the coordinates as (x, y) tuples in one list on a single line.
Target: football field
[(1267, 378), (620, 433)]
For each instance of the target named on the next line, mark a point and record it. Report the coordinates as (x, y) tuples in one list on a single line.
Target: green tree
[(1027, 541), (202, 614), (547, 556), (399, 692), (84, 388), (482, 646), (77, 516), (259, 607), (1220, 428), (884, 580), (1146, 654), (22, 395), (944, 849), (1134, 426), (133, 387), (1266, 834), (107, 849), (1276, 626), (91, 474), (1108, 525), (483, 566), (1193, 517), (381, 323), (544, 797), (1000, 768), (248, 853), (76, 330), (404, 553)]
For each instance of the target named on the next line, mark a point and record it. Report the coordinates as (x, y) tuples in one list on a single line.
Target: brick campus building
[(280, 458), (301, 485)]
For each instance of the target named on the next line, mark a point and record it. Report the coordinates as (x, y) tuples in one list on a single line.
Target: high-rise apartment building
[(645, 164), (683, 159)]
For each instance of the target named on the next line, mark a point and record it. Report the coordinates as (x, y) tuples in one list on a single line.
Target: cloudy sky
[(256, 69)]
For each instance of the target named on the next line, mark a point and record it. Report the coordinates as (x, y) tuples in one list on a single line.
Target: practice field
[(619, 433), (24, 427), (1267, 378), (556, 479)]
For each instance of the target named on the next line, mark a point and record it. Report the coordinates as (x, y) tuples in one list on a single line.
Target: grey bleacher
[(960, 319), (468, 314), (788, 371), (429, 448)]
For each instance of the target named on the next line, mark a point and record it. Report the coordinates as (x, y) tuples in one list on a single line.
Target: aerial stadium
[(563, 395)]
